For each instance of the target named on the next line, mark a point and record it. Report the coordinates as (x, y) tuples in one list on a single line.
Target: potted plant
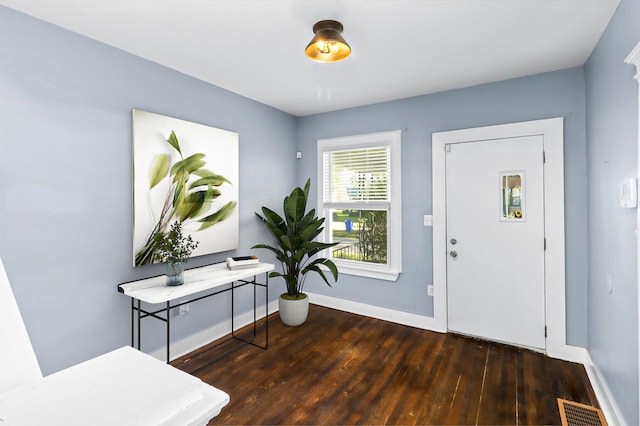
[(294, 247), (174, 249)]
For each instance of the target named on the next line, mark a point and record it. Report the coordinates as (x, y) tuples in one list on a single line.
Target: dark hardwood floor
[(339, 368)]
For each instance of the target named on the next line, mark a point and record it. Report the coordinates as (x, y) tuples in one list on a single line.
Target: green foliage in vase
[(293, 241), (173, 246), (184, 201)]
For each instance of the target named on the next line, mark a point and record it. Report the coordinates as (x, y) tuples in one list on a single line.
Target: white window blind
[(357, 175)]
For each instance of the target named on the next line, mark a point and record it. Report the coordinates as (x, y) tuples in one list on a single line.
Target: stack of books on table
[(242, 262)]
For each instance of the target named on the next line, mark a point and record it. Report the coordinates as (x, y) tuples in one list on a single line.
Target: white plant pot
[(293, 312)]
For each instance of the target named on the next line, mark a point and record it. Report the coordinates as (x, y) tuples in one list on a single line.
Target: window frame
[(392, 139)]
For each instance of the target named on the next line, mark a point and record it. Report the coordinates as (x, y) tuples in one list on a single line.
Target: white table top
[(155, 290), (123, 387)]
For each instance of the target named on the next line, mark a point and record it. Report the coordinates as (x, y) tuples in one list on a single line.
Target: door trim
[(552, 133)]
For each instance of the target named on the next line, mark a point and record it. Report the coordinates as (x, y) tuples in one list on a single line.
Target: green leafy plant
[(184, 201), (174, 246), (294, 246)]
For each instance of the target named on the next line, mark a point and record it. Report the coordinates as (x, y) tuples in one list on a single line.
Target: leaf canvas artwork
[(183, 172)]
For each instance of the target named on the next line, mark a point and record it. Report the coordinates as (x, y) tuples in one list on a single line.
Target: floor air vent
[(575, 414)]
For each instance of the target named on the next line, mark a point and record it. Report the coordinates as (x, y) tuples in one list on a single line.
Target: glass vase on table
[(175, 273)]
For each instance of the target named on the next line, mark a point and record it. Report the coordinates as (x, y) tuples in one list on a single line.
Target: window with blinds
[(356, 175), (359, 197)]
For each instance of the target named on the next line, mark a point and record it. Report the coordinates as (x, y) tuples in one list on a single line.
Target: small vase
[(175, 273)]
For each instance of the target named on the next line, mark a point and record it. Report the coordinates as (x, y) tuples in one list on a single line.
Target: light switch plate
[(629, 193)]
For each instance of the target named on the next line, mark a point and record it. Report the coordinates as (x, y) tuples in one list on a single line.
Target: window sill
[(380, 273)]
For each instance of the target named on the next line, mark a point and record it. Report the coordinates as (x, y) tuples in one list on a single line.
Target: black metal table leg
[(255, 312), (233, 329), (168, 338), (266, 308), (139, 331), (255, 284), (132, 320)]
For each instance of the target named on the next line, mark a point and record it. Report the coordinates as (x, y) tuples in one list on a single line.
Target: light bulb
[(324, 47)]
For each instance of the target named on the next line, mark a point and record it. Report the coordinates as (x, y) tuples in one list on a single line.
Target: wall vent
[(576, 414)]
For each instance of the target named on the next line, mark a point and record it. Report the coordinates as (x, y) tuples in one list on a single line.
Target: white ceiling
[(400, 48)]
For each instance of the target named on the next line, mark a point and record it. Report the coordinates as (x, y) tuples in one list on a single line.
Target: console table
[(209, 279)]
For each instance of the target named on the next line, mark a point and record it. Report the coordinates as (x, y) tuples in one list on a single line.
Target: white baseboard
[(204, 337), (567, 352), (607, 403), (391, 315)]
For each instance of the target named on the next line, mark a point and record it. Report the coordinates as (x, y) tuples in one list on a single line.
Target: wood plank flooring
[(339, 368)]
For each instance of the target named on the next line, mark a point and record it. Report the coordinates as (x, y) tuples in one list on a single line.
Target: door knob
[(453, 253), (454, 241)]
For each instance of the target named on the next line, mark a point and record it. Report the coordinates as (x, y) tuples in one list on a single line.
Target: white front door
[(495, 240)]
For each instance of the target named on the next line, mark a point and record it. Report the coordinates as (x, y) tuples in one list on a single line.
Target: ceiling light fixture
[(327, 45)]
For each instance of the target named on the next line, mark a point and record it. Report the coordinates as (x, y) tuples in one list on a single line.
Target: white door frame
[(552, 133)]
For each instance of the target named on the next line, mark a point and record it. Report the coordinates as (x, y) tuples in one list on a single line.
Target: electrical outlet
[(183, 309), (428, 220), (430, 290)]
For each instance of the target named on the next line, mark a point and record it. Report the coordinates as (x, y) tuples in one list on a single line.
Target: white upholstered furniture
[(122, 387)]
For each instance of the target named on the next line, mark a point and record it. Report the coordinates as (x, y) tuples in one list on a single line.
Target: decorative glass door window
[(512, 195)]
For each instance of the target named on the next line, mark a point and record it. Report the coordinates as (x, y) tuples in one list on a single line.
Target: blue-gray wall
[(65, 182), (612, 140), (556, 94)]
